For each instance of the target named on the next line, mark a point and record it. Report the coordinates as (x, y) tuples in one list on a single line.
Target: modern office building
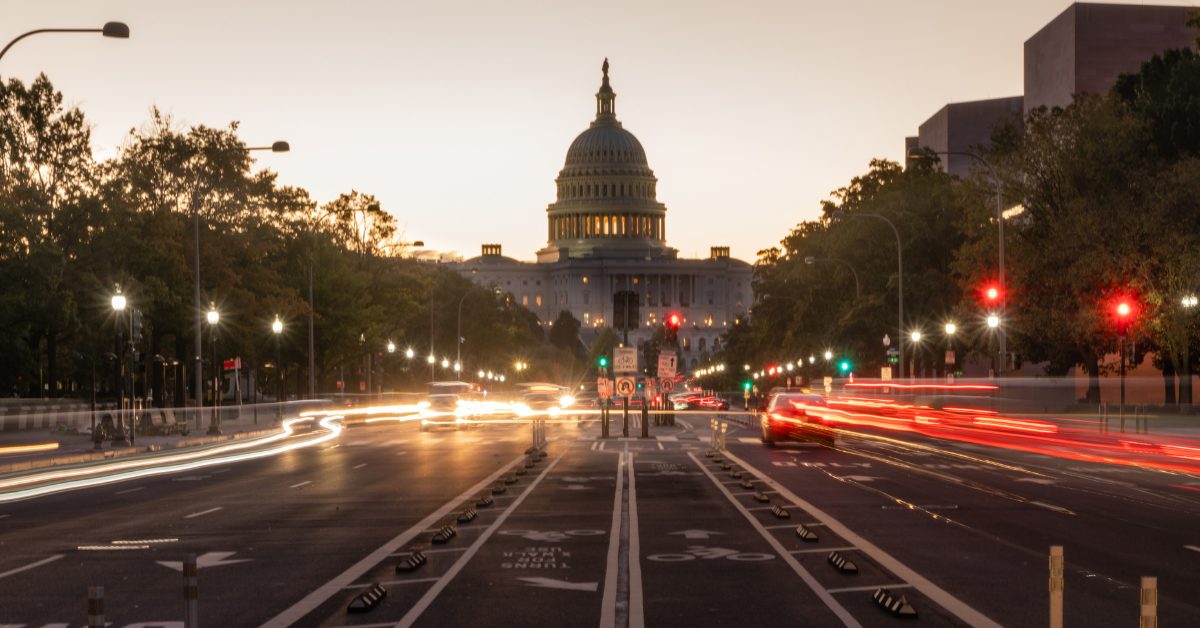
[(606, 233)]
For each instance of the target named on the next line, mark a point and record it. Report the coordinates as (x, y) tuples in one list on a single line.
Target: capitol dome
[(606, 203)]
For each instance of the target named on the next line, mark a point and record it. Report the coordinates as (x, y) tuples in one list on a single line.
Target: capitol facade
[(607, 233)]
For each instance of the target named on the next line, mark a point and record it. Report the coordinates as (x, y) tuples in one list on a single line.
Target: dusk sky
[(458, 115)]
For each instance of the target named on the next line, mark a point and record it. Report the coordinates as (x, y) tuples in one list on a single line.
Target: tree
[(564, 334)]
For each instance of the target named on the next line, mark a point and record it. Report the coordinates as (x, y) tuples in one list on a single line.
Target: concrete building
[(1082, 50), (606, 233)]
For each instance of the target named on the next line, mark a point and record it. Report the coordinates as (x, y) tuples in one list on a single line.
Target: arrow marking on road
[(549, 583), (696, 534), (211, 559)]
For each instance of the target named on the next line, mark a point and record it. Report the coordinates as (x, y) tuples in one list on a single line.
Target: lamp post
[(391, 349), (277, 328), (214, 426), (1185, 382), (857, 291), (118, 305), (993, 322), (899, 277), (950, 329), (432, 361), (924, 153), (1123, 311), (277, 147), (916, 340), (114, 30)]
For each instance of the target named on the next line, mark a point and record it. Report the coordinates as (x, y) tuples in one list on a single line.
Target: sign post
[(625, 366)]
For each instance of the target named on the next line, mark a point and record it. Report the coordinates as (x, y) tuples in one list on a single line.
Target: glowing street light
[(916, 336), (950, 328), (445, 363), (993, 321), (408, 354), (828, 355), (431, 359)]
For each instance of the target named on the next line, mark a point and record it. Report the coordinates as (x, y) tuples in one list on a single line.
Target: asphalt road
[(609, 533)]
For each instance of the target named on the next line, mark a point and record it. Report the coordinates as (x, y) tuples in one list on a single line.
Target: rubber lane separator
[(897, 606), (847, 619), (935, 593), (368, 599), (841, 564), (415, 612), (313, 600)]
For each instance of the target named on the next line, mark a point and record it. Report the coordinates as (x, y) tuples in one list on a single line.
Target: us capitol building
[(607, 233)]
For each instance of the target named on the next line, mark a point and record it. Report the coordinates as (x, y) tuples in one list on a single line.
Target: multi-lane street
[(618, 532)]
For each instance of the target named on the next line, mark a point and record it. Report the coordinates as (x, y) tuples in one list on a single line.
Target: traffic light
[(845, 366), (1125, 314), (136, 335), (602, 364), (671, 334)]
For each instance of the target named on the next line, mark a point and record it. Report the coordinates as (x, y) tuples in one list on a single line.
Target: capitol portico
[(606, 233)]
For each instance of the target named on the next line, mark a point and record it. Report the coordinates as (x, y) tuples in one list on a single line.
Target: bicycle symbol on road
[(709, 553), (551, 536)]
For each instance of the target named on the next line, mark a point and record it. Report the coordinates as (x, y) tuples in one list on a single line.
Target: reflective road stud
[(95, 607), (191, 593), (1149, 603), (1056, 586)]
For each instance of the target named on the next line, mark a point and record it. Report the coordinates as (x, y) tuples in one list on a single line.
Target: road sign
[(666, 364), (235, 363), (666, 385), (604, 387), (949, 357), (625, 386), (828, 384), (625, 359), (885, 373), (649, 388)]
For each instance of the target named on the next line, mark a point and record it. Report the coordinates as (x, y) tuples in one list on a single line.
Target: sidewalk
[(71, 449)]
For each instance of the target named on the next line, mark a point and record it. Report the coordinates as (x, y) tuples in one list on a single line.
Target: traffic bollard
[(724, 426), (646, 422), (191, 603), (95, 607), (712, 437), (625, 418), (604, 414), (1056, 586), (1149, 603)]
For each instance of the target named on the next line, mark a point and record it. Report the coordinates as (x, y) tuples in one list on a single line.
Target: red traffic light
[(1123, 309), (673, 320), (993, 294)]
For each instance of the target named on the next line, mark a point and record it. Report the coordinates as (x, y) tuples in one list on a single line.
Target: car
[(796, 416), (442, 412), (541, 401)]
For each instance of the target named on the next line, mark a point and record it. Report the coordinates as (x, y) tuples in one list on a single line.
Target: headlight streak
[(137, 469), (22, 449)]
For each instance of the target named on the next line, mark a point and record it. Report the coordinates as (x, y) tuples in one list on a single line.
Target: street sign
[(605, 387), (666, 364), (651, 389), (828, 384), (235, 363), (625, 359), (949, 357), (885, 373), (886, 341), (625, 386), (667, 385)]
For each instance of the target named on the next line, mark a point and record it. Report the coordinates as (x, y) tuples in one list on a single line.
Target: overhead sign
[(666, 364), (625, 386), (625, 359), (666, 385)]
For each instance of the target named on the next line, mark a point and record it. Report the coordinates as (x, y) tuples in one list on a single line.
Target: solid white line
[(359, 466), (301, 484), (637, 618), (205, 512), (391, 582), (3, 516), (331, 588), (870, 588), (129, 491), (31, 566), (430, 551), (822, 549), (930, 590), (414, 613), (608, 603), (807, 577), (1192, 547)]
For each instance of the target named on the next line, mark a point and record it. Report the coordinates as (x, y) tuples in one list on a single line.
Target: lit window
[(524, 299), (539, 302), (585, 280), (586, 318)]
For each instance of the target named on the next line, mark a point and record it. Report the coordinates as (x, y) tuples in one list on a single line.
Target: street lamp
[(839, 214), (213, 318), (857, 292), (924, 153), (114, 30), (1185, 383), (993, 321), (277, 328), (277, 147), (118, 305), (950, 329), (828, 355), (445, 363)]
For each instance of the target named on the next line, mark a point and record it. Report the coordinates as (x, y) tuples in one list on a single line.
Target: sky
[(457, 115)]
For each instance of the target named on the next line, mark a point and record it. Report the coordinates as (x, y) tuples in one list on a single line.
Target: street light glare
[(409, 353), (391, 347), (213, 317), (993, 321), (950, 328), (276, 327), (430, 359), (916, 336), (828, 355), (118, 302)]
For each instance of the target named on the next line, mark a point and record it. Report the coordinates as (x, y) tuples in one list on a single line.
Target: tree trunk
[(1168, 373), (1092, 366)]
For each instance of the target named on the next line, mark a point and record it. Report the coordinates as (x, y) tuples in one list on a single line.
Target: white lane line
[(30, 566), (870, 588), (807, 577), (129, 490), (429, 551), (930, 590), (359, 466), (608, 603), (311, 601), (3, 516), (637, 618), (822, 549), (391, 582), (203, 512), (1051, 507), (414, 613), (660, 444), (301, 484), (1191, 547), (221, 471), (387, 625), (401, 453)]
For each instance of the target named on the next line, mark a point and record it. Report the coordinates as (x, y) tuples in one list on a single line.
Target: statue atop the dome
[(604, 67)]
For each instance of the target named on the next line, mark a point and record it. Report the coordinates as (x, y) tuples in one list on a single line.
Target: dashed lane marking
[(391, 582), (131, 490), (311, 601), (30, 566), (203, 512), (947, 601), (430, 551), (807, 577), (301, 484), (359, 466)]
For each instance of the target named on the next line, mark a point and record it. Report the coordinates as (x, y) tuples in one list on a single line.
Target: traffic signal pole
[(625, 400)]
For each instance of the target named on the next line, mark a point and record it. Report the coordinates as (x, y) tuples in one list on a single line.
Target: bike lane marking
[(902, 572), (834, 605)]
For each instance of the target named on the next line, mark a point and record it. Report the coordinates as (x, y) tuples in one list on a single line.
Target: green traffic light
[(845, 366), (603, 362), (746, 385)]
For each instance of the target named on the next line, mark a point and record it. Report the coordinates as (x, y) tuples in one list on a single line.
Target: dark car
[(796, 416)]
